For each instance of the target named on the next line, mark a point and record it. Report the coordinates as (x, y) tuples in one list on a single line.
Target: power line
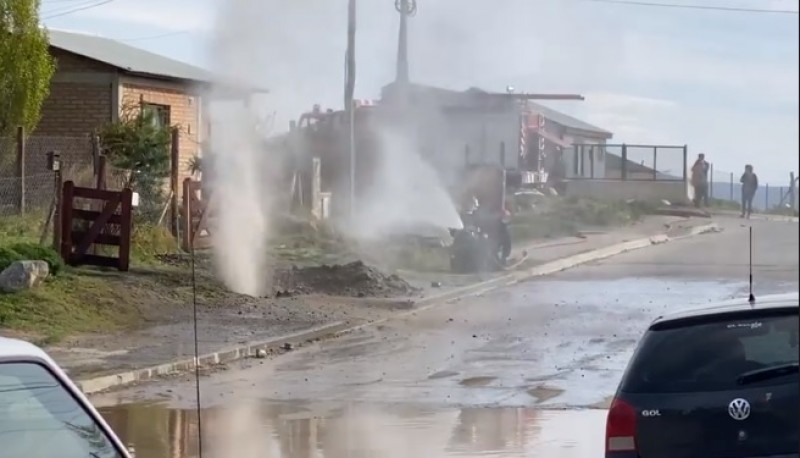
[(697, 7), (75, 10)]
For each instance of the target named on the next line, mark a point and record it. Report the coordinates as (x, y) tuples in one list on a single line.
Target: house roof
[(614, 162), (473, 94), (568, 121), (125, 57)]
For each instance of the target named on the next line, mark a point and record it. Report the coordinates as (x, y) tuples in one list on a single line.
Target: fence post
[(685, 163), (766, 197), (101, 174), (655, 155), (792, 191), (21, 168), (624, 168), (175, 157), (711, 180), (64, 221), (94, 139), (731, 197)]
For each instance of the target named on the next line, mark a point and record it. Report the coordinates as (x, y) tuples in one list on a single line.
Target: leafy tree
[(26, 65), (138, 143)]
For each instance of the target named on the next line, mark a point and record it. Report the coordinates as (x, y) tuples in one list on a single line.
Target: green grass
[(70, 303), (78, 300), (565, 217), (25, 228)]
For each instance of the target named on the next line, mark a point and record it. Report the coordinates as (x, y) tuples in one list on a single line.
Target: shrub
[(30, 251)]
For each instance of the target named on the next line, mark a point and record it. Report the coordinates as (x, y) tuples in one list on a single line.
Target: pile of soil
[(355, 279)]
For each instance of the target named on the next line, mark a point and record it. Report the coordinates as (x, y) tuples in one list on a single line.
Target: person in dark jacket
[(749, 183), (700, 180)]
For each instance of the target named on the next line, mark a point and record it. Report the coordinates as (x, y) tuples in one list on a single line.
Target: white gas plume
[(406, 193)]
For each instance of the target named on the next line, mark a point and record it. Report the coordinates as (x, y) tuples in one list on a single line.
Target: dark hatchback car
[(718, 382)]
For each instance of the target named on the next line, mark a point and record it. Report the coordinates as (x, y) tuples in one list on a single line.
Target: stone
[(22, 275)]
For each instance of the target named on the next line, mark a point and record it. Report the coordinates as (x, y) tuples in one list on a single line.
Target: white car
[(43, 414)]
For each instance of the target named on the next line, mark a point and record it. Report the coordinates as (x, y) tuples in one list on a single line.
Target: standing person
[(700, 180), (749, 183)]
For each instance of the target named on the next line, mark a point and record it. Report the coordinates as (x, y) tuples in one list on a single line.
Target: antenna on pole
[(406, 8), (752, 297)]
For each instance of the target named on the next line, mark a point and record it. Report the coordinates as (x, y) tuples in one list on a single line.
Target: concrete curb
[(538, 271), (98, 384), (102, 383)]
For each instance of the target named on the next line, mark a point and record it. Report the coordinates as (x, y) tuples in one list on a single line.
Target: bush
[(148, 241), (30, 251)]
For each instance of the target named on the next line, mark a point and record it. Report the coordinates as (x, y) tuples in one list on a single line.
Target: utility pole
[(349, 90), (406, 8)]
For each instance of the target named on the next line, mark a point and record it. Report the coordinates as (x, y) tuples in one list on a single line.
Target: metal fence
[(725, 186), (626, 162), (29, 185)]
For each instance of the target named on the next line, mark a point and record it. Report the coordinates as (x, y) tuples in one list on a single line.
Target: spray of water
[(240, 232), (406, 194)]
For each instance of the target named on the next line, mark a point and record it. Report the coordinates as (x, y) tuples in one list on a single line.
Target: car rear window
[(711, 356)]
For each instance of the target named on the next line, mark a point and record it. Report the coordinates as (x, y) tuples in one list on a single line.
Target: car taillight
[(621, 427)]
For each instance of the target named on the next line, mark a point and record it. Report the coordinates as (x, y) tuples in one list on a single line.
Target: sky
[(723, 83)]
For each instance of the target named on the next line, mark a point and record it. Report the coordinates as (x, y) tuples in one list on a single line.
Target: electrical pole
[(406, 8), (349, 90)]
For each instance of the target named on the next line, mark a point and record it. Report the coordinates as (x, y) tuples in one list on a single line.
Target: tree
[(139, 144), (26, 65)]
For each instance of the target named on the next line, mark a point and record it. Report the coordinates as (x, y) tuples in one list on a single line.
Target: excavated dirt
[(355, 279)]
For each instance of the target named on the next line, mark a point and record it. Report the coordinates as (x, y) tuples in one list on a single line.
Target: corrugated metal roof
[(125, 57), (566, 120), (448, 95)]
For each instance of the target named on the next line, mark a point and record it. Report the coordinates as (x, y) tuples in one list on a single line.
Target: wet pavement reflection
[(292, 430)]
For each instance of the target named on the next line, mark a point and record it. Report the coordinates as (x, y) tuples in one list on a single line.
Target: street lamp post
[(350, 84)]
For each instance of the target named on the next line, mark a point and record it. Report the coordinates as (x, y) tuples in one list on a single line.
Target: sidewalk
[(277, 325)]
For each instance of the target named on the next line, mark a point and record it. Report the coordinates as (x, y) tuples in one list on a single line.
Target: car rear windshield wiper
[(767, 373)]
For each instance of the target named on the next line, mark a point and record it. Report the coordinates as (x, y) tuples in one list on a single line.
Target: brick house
[(97, 78)]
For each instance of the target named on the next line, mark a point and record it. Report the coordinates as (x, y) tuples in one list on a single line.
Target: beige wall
[(673, 191), (184, 107)]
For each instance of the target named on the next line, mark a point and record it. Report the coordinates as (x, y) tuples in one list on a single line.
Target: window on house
[(158, 113)]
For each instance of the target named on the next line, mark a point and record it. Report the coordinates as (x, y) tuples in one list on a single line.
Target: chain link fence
[(35, 188), (725, 187)]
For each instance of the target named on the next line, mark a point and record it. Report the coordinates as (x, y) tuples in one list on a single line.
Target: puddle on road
[(320, 431)]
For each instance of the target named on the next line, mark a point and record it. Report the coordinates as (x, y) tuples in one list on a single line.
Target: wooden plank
[(91, 215), (96, 260), (108, 210), (97, 194), (101, 239), (126, 199), (188, 223), (66, 220)]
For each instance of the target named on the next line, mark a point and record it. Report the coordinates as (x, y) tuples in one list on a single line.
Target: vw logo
[(739, 409)]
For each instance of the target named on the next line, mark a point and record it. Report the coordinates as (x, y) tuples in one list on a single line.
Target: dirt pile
[(355, 279)]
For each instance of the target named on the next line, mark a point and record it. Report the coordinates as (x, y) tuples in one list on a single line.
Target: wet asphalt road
[(515, 372)]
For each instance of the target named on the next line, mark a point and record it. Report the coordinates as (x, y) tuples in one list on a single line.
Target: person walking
[(749, 183), (700, 180)]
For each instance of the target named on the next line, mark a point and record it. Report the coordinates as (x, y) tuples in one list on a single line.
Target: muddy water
[(320, 431)]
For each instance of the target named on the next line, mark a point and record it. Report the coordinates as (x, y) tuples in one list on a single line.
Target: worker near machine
[(700, 180), (749, 181)]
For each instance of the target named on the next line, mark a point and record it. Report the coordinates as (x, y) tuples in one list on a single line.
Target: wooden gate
[(196, 214), (111, 226)]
